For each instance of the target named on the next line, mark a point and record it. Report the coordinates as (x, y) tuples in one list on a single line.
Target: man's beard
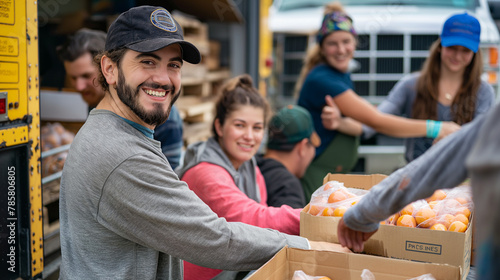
[(131, 99)]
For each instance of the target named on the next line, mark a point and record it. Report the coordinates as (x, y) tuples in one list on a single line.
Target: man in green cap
[(291, 147)]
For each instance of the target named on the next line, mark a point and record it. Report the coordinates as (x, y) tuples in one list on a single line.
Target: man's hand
[(330, 116), (327, 246), (351, 238)]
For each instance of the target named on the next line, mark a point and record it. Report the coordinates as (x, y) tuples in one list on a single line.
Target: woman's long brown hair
[(464, 104)]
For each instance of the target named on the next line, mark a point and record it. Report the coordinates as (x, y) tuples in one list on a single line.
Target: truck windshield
[(283, 5)]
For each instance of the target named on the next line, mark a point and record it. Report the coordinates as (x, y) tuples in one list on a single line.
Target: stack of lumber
[(200, 82)]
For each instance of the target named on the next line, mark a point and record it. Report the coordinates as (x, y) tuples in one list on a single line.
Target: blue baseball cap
[(461, 30)]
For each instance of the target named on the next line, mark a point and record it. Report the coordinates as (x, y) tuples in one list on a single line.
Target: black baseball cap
[(148, 29)]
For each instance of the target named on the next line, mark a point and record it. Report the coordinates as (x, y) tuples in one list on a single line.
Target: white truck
[(394, 38)]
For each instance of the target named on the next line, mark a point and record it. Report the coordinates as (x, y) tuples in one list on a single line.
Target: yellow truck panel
[(20, 177)]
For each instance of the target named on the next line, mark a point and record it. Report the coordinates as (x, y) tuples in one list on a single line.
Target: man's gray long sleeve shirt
[(125, 214)]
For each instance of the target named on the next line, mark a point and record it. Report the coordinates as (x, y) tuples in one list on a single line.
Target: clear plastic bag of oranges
[(445, 210), (368, 275), (333, 199), (300, 275)]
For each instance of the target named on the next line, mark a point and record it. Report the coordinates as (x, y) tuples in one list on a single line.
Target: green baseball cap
[(289, 126)]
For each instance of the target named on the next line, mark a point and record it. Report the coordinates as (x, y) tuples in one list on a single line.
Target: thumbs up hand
[(330, 115)]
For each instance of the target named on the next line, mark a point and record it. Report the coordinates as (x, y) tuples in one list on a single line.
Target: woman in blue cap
[(449, 86), (325, 82)]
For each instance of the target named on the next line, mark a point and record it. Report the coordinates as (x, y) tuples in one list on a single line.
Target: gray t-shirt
[(400, 102), (124, 213)]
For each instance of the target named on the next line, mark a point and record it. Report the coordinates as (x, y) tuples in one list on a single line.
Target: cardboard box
[(417, 244), (346, 266)]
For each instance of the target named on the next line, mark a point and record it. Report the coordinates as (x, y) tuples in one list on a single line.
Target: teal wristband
[(433, 128)]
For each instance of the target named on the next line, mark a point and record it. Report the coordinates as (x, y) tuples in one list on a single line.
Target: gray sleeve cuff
[(351, 220), (294, 241)]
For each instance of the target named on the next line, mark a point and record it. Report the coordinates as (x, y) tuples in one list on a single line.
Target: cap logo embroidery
[(162, 19)]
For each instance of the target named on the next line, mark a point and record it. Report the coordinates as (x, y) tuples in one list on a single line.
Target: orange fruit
[(465, 211), (437, 195), (463, 200), (327, 211), (424, 214), (462, 218), (428, 223), (339, 211), (320, 199), (351, 195), (433, 204), (356, 200), (393, 219), (438, 227), (450, 203), (408, 210), (314, 210), (406, 221), (337, 196), (457, 226), (324, 278), (328, 186), (446, 220)]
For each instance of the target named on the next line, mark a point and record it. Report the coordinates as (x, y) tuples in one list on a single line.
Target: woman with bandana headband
[(327, 92)]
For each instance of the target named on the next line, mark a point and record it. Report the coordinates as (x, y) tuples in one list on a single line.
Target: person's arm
[(217, 189), (396, 101), (151, 207), (442, 166), (332, 119), (351, 105)]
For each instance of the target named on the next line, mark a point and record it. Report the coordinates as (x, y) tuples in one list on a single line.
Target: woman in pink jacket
[(222, 170)]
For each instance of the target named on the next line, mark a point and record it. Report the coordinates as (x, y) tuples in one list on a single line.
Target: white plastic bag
[(300, 275)]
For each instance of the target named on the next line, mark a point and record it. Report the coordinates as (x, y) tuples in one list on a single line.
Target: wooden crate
[(196, 109), (204, 86), (195, 31), (50, 192), (197, 132), (212, 60), (194, 71)]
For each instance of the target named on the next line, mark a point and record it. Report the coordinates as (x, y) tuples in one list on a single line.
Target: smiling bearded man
[(130, 98), (124, 213)]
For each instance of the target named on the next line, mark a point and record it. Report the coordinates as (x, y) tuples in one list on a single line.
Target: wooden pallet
[(204, 86), (50, 192), (195, 109), (197, 132), (195, 31), (212, 59)]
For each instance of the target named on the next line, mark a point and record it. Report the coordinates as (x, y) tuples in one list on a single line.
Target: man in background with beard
[(124, 213)]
